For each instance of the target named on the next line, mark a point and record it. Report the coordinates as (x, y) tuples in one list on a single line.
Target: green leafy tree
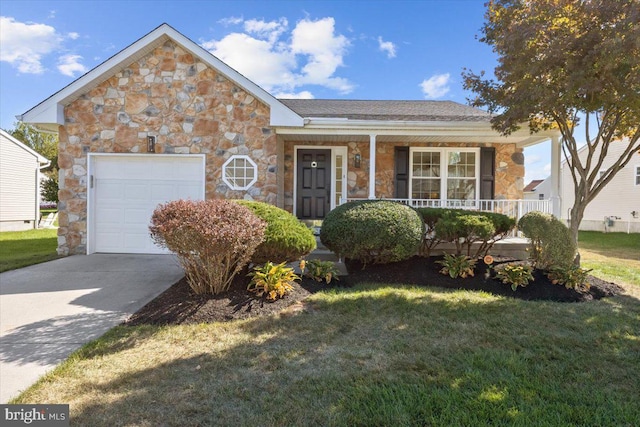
[(560, 63), (47, 145)]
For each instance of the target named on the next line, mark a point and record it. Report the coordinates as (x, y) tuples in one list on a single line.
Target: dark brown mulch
[(179, 305), (426, 271)]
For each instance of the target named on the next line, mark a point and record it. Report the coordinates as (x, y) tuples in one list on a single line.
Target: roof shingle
[(386, 110)]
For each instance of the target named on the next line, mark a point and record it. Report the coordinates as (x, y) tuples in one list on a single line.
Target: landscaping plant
[(319, 270), (457, 265), (462, 231), (272, 281), (515, 275), (373, 231), (551, 242), (213, 239), (572, 277), (286, 239)]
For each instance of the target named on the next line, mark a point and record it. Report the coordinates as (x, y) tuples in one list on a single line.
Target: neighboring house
[(533, 190), (19, 184), (617, 207), (164, 119)]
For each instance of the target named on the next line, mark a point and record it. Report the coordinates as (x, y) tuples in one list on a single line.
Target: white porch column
[(372, 166), (556, 151)]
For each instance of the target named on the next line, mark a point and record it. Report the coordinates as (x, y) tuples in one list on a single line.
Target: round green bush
[(375, 231), (551, 242), (285, 239)]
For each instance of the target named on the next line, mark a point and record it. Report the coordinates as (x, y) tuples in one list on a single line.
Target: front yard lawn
[(612, 256), (22, 248), (369, 355)]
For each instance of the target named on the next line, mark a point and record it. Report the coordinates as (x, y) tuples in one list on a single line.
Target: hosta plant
[(319, 270), (457, 265), (572, 277), (272, 281), (515, 275)]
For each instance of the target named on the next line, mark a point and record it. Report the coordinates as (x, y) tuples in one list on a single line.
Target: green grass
[(371, 355), (611, 256), (22, 248)]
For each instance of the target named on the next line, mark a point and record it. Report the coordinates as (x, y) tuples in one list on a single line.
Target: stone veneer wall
[(188, 106), (509, 179)]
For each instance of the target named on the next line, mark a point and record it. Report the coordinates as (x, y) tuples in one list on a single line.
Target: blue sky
[(315, 49)]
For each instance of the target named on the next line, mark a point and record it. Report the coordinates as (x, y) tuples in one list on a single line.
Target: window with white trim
[(638, 175), (239, 172), (450, 173)]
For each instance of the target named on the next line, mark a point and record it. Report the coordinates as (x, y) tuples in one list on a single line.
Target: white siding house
[(19, 184), (617, 207)]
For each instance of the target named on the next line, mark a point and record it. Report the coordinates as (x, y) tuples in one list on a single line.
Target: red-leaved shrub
[(213, 239)]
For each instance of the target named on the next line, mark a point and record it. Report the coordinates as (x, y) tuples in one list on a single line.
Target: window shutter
[(401, 172), (487, 173)]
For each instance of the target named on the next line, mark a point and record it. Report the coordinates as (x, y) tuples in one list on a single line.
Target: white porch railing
[(512, 208)]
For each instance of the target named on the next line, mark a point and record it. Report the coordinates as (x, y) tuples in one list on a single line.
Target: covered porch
[(462, 165)]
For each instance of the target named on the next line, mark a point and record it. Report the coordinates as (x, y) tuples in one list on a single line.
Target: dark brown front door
[(313, 192)]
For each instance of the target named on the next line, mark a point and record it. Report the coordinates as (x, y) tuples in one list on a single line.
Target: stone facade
[(509, 177), (189, 108)]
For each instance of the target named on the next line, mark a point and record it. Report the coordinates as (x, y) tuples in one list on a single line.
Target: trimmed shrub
[(285, 238), (464, 230), (551, 242), (213, 239), (502, 225), (373, 231)]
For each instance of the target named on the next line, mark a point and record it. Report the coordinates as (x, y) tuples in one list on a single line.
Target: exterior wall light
[(151, 144)]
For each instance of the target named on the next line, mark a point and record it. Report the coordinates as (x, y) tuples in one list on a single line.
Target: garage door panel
[(136, 193), (110, 189), (127, 191)]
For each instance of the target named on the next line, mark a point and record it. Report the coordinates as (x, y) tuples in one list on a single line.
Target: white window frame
[(636, 176), (230, 183), (444, 174)]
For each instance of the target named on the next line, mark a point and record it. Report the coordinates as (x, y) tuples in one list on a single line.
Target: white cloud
[(436, 86), (258, 60), (270, 31), (24, 44), (324, 50), (280, 64), (73, 36), (69, 65), (305, 94), (388, 47), (232, 20), (541, 171)]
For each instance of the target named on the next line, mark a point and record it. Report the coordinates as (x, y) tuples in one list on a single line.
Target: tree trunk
[(577, 213)]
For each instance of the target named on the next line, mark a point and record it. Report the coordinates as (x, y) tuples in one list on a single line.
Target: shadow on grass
[(377, 355)]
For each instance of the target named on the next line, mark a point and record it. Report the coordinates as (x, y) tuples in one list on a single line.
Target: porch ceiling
[(337, 137)]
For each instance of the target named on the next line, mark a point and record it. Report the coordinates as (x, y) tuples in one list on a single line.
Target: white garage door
[(126, 190)]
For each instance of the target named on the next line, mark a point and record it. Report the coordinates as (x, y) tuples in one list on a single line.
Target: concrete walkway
[(49, 310)]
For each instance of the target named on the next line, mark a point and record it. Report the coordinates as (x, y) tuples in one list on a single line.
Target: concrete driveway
[(49, 310)]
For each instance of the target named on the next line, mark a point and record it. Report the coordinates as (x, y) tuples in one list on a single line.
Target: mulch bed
[(179, 305)]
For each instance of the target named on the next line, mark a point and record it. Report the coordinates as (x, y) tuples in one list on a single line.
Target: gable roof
[(447, 111), (6, 136), (532, 185), (49, 113)]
